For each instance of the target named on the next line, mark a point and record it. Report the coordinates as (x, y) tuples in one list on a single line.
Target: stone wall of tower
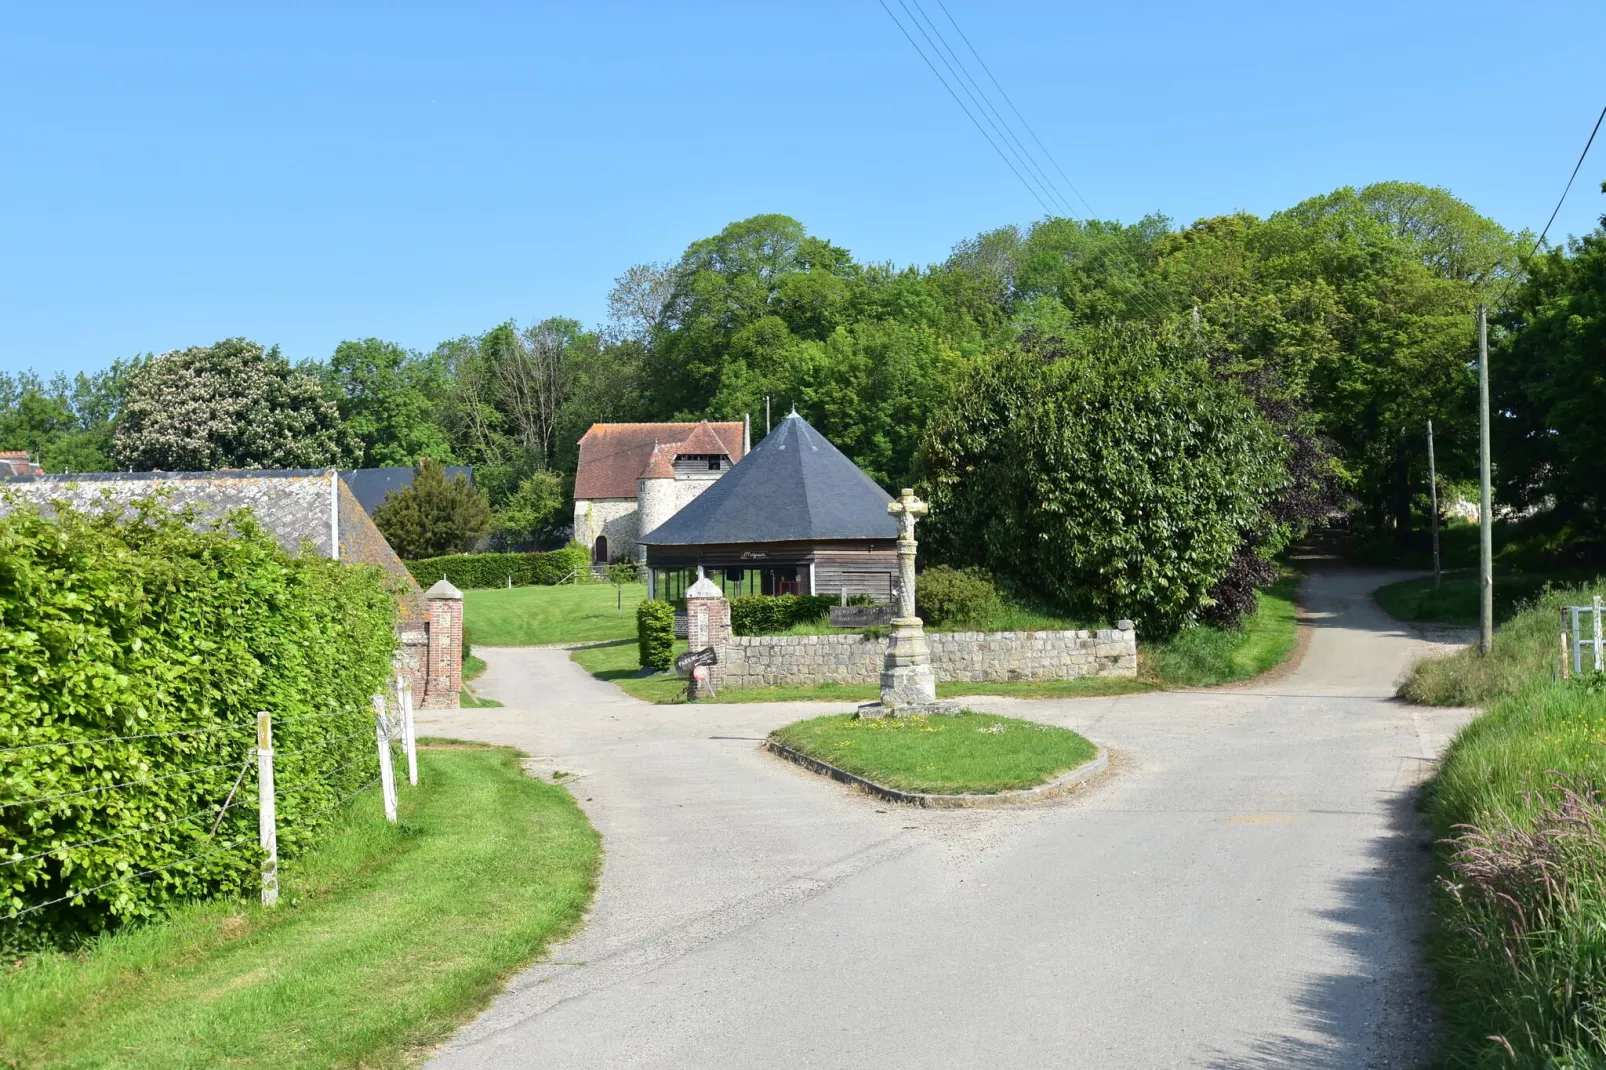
[(656, 501)]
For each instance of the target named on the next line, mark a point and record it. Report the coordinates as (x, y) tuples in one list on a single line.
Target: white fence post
[(1600, 647), (267, 827), (409, 734), (387, 775)]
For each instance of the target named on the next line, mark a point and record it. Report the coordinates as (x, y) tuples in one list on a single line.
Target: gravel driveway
[(1244, 888)]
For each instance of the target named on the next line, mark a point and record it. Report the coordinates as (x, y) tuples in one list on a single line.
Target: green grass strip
[(542, 616), (385, 940), (946, 754)]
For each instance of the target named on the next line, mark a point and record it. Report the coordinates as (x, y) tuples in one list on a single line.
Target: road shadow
[(1380, 1013)]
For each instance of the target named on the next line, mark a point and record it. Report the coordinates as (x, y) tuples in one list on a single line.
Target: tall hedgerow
[(144, 625)]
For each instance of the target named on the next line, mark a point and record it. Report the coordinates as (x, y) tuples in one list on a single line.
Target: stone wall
[(971, 657), (614, 517)]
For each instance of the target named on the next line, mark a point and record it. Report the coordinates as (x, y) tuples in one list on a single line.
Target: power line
[(1566, 190)]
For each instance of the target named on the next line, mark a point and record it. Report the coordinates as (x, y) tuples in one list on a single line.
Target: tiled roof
[(613, 456), (660, 464), (795, 485), (294, 505)]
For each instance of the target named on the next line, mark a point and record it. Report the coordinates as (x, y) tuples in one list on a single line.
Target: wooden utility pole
[(1485, 496), (766, 416), (1433, 501)]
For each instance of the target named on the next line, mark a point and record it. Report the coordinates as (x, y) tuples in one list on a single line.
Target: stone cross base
[(906, 676)]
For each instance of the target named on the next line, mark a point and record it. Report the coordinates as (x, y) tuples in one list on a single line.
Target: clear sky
[(301, 174)]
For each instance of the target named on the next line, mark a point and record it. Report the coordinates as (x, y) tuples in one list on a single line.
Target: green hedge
[(758, 614), (655, 633), (467, 571), (947, 596), (138, 626)]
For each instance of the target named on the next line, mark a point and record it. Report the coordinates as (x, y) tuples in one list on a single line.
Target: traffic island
[(966, 759)]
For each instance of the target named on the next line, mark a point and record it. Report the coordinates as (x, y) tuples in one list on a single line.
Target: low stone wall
[(970, 657)]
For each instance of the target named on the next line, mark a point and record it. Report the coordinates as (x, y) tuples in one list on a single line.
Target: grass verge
[(1200, 657), (385, 939), (957, 754), (1520, 904), (540, 616), (1455, 600)]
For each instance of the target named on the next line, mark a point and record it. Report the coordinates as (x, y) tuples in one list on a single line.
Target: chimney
[(747, 433)]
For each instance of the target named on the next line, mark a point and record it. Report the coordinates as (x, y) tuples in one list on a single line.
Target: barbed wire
[(342, 802), (127, 876), (111, 787), (320, 746), (116, 739), (209, 811), (319, 780)]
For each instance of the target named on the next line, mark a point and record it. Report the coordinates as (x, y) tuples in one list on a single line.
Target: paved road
[(1243, 889)]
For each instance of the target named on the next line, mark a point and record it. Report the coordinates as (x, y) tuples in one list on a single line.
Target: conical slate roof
[(794, 485)]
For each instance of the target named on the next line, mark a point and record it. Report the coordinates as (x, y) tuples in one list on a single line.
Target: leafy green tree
[(66, 424), (535, 512), (388, 398), (1115, 475), (228, 405), (433, 515), (1548, 375)]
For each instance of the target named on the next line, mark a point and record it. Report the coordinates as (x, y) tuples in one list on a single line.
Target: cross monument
[(907, 682)]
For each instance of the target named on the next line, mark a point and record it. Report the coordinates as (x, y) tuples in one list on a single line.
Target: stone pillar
[(708, 624), (906, 676), (445, 669)]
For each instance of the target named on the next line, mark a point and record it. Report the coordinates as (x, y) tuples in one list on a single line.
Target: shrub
[(758, 614), (946, 596), (468, 571), (433, 515), (655, 633), (1116, 477), (138, 625)]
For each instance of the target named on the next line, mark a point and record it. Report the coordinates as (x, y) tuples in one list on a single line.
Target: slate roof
[(614, 456), (294, 505), (795, 485), (371, 485)]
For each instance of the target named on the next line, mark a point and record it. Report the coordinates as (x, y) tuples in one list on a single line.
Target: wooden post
[(1433, 495), (1485, 496), (408, 732), (267, 826), (387, 775)]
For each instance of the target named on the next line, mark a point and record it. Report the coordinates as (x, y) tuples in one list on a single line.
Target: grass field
[(384, 941), (1200, 657), (540, 616), (1455, 600), (958, 754)]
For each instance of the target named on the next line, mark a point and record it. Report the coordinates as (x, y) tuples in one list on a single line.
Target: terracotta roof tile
[(613, 456), (660, 465)]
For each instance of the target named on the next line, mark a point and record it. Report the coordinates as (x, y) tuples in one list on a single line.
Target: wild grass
[(1527, 649), (385, 939), (542, 616), (1206, 656), (965, 753)]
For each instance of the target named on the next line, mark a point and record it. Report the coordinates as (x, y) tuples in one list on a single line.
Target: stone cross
[(908, 509)]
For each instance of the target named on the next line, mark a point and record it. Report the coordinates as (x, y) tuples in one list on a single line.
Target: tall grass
[(1527, 648), (1520, 945)]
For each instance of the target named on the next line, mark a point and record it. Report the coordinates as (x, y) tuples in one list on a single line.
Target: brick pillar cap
[(704, 587), (444, 589)]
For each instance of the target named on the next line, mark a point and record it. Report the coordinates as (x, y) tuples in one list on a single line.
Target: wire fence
[(103, 874)]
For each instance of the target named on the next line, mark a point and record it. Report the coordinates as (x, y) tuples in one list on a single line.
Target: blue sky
[(174, 175)]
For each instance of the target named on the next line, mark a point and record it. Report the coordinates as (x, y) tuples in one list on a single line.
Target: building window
[(713, 464)]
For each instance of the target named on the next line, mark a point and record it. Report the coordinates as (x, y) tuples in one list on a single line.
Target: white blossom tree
[(227, 405)]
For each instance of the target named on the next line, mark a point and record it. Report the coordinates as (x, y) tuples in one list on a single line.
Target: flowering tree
[(227, 405)]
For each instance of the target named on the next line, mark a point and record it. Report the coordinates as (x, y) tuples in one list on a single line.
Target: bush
[(1117, 478), (137, 625), (758, 614), (655, 633), (947, 596), (469, 571)]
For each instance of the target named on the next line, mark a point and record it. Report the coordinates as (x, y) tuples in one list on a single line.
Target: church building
[(633, 477)]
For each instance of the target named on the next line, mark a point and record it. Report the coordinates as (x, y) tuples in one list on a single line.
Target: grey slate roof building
[(795, 516)]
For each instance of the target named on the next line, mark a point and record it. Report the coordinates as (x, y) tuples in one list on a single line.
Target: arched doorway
[(599, 551)]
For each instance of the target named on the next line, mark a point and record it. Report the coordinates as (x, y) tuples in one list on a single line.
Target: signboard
[(694, 658)]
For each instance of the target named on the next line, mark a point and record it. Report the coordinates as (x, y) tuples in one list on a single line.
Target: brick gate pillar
[(708, 623), (444, 670)]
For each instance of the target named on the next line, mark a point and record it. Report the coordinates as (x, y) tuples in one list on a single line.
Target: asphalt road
[(1244, 888)]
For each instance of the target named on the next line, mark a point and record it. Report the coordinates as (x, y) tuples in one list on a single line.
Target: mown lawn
[(1455, 600), (542, 616), (385, 939), (947, 754), (1199, 657)]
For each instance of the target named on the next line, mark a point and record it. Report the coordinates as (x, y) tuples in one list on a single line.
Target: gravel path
[(1244, 888)]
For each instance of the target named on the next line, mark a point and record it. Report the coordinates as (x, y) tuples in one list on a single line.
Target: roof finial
[(793, 412)]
